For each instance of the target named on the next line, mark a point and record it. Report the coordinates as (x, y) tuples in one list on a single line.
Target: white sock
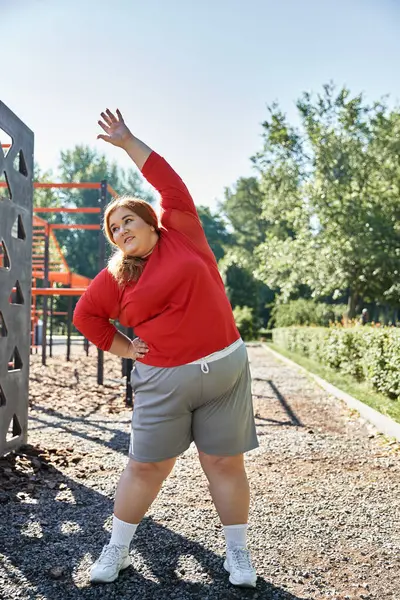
[(122, 533), (236, 535)]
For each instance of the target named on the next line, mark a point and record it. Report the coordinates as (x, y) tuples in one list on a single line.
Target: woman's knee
[(222, 465), (151, 470)]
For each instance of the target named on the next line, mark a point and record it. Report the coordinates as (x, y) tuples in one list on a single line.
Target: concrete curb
[(381, 423)]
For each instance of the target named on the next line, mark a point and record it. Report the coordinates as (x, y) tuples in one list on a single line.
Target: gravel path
[(325, 512)]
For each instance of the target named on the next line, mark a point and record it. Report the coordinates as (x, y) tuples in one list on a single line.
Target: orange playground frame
[(48, 262)]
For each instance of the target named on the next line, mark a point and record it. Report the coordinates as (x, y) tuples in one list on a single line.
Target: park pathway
[(325, 516)]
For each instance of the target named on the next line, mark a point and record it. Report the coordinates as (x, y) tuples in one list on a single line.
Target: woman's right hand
[(138, 349), (117, 132)]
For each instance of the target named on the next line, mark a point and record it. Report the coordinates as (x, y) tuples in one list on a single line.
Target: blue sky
[(192, 78)]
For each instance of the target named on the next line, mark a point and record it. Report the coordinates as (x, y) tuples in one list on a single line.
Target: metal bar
[(123, 360), (51, 326), (129, 367), (58, 291), (76, 226), (69, 327), (100, 366), (102, 261), (46, 209), (39, 185), (129, 391), (33, 315), (55, 312), (45, 284)]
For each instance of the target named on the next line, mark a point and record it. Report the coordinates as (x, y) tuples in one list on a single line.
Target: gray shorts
[(208, 403)]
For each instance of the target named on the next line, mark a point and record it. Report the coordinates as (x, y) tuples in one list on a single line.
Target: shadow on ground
[(65, 422), (52, 529), (292, 418)]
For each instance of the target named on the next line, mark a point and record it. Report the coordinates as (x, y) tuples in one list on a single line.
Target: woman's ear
[(152, 228)]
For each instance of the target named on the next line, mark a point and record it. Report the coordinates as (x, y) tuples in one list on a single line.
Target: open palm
[(114, 126)]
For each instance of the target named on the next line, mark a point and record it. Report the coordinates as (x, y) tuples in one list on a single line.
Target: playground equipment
[(15, 280), (30, 252), (50, 266)]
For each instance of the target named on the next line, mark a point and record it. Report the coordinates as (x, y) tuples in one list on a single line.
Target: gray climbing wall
[(16, 194)]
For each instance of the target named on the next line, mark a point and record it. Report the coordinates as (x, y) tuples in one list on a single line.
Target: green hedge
[(368, 354), (307, 312)]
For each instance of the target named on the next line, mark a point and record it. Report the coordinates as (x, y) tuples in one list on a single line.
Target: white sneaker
[(110, 562), (239, 566)]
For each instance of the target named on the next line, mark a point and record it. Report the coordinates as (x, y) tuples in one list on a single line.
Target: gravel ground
[(325, 518)]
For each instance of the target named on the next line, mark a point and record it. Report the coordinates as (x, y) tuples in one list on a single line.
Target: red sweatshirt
[(179, 306)]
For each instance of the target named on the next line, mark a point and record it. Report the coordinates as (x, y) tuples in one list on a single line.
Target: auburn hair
[(122, 267)]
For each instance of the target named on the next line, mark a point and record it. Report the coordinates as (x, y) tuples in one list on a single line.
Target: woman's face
[(131, 233)]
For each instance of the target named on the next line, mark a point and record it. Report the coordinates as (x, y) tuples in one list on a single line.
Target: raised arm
[(174, 193), (178, 210), (118, 134)]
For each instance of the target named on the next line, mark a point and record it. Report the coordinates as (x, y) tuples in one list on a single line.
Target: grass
[(346, 383)]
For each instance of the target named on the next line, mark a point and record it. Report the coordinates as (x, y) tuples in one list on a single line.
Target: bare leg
[(138, 487), (229, 487)]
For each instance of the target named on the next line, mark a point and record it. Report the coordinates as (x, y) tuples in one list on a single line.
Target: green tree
[(331, 192), (242, 287), (242, 207), (215, 230)]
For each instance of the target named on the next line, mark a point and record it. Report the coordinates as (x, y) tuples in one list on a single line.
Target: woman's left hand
[(138, 348), (117, 132)]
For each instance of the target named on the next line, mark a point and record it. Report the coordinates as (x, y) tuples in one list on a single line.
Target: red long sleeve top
[(178, 306)]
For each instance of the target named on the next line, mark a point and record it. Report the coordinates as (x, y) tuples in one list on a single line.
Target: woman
[(191, 377)]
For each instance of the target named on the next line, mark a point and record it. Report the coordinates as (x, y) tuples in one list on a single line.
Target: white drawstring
[(216, 356)]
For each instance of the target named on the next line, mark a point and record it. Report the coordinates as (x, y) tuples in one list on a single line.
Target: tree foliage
[(215, 229), (242, 207), (331, 190)]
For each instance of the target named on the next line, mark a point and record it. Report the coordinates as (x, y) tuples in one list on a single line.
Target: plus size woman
[(191, 377)]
